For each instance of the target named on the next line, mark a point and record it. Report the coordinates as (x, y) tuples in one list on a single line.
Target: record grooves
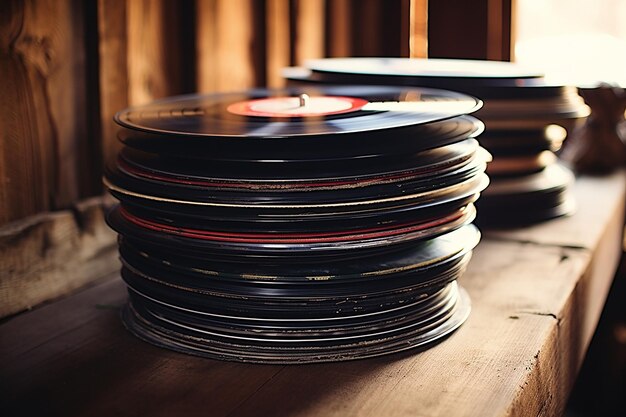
[(299, 225), (526, 120)]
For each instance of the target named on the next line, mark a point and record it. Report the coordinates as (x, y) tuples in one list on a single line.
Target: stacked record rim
[(526, 121), (300, 225)]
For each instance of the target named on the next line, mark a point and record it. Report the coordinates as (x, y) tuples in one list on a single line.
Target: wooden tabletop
[(537, 294)]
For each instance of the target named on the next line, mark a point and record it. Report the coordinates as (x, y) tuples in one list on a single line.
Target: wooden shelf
[(537, 294)]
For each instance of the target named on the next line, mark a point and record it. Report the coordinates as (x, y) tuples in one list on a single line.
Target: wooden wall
[(68, 65)]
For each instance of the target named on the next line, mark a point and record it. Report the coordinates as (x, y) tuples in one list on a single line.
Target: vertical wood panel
[(419, 29), (380, 28), (494, 29), (456, 29), (278, 40), (42, 65), (310, 30), (89, 163), (366, 28), (339, 38), (154, 50), (113, 68), (473, 30), (225, 39)]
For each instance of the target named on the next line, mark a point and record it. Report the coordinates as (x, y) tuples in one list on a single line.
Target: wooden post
[(418, 29), (309, 31), (278, 40), (113, 66), (225, 39), (472, 30)]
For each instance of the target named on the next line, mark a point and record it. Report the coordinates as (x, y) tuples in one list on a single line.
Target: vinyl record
[(397, 142), (551, 206), (420, 256), (528, 199), (302, 244), (276, 299), (386, 195), (248, 221), (416, 229), (524, 142), (554, 177), (283, 114), (507, 167), (425, 72), (284, 176), (351, 191), (188, 339)]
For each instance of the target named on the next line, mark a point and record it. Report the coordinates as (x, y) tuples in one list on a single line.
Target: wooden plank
[(535, 306), (405, 27), (88, 335), (372, 33), (51, 254), (43, 114), (471, 30), (225, 39), (367, 27), (278, 41), (113, 69), (159, 52), (419, 29), (310, 30), (339, 24), (147, 62)]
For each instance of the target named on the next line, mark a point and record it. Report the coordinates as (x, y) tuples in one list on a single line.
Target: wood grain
[(309, 32), (419, 29), (339, 39), (43, 114), (155, 50), (50, 255), (278, 41), (225, 40), (113, 70), (473, 30), (535, 306)]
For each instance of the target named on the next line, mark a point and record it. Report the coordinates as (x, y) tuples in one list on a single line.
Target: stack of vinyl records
[(526, 121), (300, 225)]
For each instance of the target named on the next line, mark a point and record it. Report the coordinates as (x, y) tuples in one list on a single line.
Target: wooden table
[(537, 295)]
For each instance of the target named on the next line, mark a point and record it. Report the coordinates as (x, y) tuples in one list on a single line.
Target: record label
[(301, 106)]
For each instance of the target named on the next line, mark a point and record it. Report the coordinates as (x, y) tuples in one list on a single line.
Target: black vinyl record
[(280, 116), (419, 256), (283, 176), (528, 199), (302, 244), (353, 191), (247, 221), (523, 142), (182, 333), (397, 142)]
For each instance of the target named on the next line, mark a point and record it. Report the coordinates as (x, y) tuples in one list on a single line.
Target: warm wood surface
[(52, 254), (42, 95), (536, 294)]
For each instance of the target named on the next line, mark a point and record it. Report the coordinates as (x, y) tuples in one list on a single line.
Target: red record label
[(301, 106)]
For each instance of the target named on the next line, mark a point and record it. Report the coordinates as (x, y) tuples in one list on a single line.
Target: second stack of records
[(525, 118), (301, 225)]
